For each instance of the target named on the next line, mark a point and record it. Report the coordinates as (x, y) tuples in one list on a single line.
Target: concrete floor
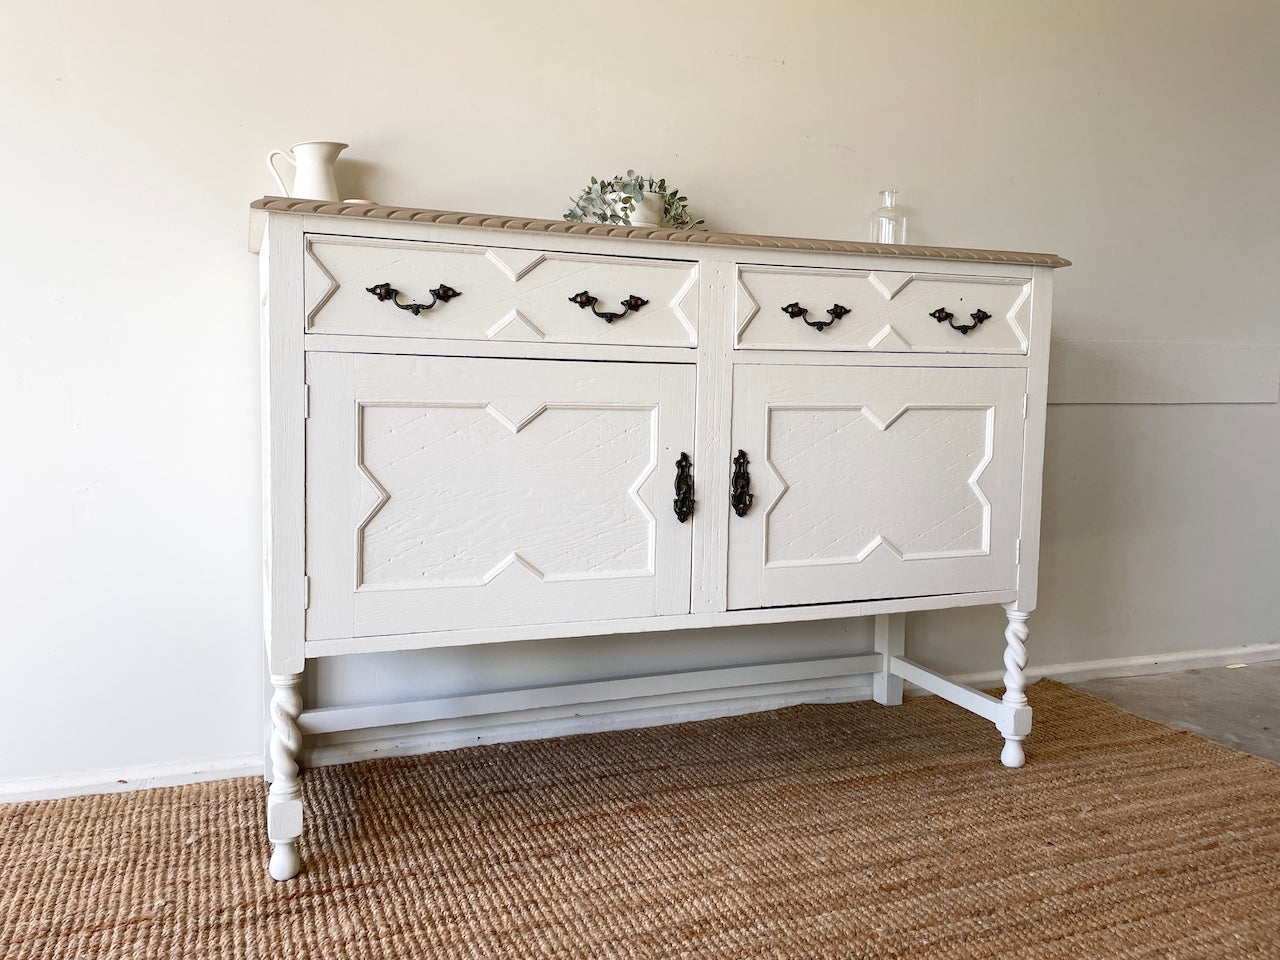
[(1238, 706)]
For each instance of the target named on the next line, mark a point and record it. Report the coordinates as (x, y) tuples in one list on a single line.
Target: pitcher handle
[(284, 192)]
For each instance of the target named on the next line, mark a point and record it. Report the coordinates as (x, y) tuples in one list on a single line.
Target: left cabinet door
[(446, 493)]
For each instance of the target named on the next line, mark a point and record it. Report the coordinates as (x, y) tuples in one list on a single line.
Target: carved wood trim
[(364, 211)]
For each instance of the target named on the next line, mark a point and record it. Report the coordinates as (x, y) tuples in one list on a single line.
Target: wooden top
[(364, 211)]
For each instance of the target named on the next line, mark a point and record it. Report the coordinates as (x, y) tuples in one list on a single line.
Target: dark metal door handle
[(683, 503), (740, 495)]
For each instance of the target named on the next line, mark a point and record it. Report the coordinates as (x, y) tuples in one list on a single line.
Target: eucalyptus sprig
[(615, 199)]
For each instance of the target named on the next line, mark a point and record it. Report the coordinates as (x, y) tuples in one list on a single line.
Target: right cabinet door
[(875, 482)]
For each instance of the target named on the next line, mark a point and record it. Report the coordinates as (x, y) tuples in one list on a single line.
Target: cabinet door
[(875, 482), (453, 492)]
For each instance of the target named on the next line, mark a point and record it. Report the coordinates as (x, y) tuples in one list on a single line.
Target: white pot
[(649, 211)]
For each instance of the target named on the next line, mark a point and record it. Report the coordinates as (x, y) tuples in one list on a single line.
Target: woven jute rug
[(842, 831)]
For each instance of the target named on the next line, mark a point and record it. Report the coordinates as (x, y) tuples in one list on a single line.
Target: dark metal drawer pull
[(797, 312), (835, 313), (385, 291), (585, 299), (943, 315)]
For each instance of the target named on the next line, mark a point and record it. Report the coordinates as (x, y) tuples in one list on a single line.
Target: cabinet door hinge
[(1026, 402), (306, 593), (306, 400), (1017, 552)]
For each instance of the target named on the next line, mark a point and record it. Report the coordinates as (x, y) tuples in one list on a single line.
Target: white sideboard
[(483, 429)]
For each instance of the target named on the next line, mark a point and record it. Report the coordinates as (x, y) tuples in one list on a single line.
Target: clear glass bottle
[(888, 225)]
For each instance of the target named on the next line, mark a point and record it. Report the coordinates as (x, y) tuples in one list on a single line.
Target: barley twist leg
[(284, 799), (1015, 687)]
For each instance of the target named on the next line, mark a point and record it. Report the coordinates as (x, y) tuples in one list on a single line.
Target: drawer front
[(504, 294), (453, 492), (870, 483), (886, 311)]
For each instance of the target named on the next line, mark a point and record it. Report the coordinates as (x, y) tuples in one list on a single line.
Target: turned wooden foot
[(285, 861), (1015, 723), (284, 799)]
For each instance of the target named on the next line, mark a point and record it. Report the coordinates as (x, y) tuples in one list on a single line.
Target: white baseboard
[(133, 778), (583, 714), (1140, 666)]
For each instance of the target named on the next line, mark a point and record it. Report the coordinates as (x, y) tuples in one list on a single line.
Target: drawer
[(502, 294), (780, 308)]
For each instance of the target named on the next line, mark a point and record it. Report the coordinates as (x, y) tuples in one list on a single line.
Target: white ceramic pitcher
[(312, 162)]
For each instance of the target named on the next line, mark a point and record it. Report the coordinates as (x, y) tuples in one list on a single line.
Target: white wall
[(1138, 139)]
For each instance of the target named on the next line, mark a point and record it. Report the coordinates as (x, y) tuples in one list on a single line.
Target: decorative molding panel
[(746, 307), (318, 283), (515, 263), (685, 305), (473, 458), (945, 448), (889, 283), (889, 339), (515, 326)]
